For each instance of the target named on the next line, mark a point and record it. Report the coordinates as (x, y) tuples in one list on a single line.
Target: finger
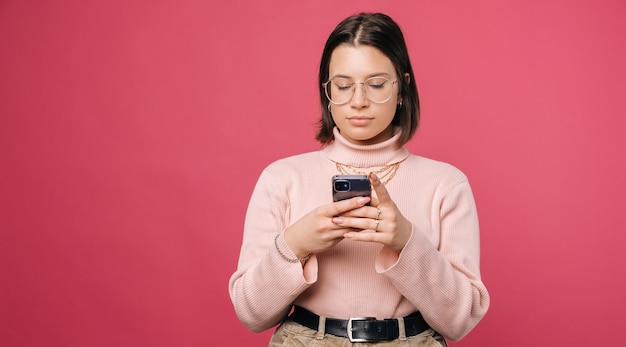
[(338, 233), (374, 200), (361, 212), (381, 192), (357, 223), (365, 236), (343, 206)]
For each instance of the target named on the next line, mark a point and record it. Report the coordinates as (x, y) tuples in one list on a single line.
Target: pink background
[(133, 132)]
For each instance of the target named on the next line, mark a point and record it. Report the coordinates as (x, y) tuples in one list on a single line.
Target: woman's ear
[(407, 80)]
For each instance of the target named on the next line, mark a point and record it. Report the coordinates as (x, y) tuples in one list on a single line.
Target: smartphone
[(350, 186)]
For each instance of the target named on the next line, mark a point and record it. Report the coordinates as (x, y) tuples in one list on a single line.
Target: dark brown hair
[(381, 32)]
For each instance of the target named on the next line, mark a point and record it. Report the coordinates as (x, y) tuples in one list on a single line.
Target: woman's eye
[(377, 83), (343, 85)]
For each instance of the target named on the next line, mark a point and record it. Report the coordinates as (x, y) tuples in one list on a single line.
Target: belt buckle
[(349, 328)]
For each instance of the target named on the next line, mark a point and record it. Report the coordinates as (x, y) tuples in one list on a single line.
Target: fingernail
[(337, 220), (373, 177), (363, 201)]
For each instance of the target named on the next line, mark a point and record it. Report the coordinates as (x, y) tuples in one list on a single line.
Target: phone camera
[(342, 186)]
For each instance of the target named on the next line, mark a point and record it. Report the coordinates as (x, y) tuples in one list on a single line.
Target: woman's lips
[(359, 120)]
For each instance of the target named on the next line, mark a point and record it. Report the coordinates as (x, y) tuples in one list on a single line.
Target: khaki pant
[(292, 334)]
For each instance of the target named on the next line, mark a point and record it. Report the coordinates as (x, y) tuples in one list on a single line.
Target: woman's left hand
[(382, 217)]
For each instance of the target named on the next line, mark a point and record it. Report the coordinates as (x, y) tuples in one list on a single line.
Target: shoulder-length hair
[(381, 32)]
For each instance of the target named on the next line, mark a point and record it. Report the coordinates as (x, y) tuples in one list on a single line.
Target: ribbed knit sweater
[(436, 273)]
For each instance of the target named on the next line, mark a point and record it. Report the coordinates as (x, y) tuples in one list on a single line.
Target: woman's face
[(360, 120)]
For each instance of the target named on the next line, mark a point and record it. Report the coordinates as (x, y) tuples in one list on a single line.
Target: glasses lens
[(339, 90), (378, 89)]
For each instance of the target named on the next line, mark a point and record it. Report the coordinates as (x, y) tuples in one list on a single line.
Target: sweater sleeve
[(265, 285), (443, 280)]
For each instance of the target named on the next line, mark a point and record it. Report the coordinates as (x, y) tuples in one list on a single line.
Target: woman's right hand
[(315, 232)]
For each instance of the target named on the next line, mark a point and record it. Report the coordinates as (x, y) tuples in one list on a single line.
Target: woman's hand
[(316, 231), (383, 217)]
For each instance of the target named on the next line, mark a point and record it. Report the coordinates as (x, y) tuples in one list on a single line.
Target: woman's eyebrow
[(377, 74)]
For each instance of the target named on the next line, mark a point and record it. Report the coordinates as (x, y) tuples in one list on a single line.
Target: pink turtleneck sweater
[(436, 273)]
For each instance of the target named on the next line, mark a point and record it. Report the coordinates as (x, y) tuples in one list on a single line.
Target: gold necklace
[(385, 173)]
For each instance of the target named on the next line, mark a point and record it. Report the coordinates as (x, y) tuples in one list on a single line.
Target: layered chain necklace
[(385, 173)]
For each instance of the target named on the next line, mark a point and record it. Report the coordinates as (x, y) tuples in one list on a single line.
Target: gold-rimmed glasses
[(339, 90)]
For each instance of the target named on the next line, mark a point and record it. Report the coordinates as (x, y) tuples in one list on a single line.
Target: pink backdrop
[(133, 132)]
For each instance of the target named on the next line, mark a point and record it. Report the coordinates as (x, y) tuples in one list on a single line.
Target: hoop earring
[(329, 107)]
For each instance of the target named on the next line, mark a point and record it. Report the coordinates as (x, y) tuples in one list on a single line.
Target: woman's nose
[(359, 99)]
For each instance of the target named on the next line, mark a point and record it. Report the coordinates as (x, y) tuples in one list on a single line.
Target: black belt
[(362, 329)]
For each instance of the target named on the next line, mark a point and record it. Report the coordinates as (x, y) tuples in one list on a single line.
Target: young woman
[(407, 257)]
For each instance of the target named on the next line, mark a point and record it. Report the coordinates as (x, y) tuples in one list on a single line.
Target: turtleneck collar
[(343, 151)]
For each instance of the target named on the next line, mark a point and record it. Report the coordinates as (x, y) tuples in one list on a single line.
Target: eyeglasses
[(340, 90)]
